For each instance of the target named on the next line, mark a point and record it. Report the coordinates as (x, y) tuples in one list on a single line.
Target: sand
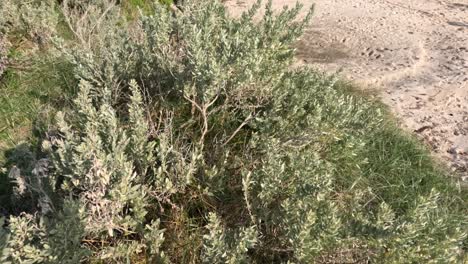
[(413, 53)]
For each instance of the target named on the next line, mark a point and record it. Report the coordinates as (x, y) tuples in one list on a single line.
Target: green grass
[(18, 108), (131, 7), (26, 97), (400, 167), (29, 99), (398, 164)]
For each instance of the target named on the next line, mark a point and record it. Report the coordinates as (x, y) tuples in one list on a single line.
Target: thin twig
[(203, 109), (238, 129)]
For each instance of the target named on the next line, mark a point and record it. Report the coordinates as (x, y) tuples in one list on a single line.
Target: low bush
[(34, 20), (192, 141)]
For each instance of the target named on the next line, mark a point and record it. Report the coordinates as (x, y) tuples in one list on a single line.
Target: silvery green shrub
[(192, 141), (33, 19), (4, 48)]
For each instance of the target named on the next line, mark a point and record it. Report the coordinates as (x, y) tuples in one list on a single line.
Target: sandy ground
[(414, 53)]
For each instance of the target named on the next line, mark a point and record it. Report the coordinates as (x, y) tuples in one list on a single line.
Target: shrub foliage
[(34, 20), (192, 140)]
